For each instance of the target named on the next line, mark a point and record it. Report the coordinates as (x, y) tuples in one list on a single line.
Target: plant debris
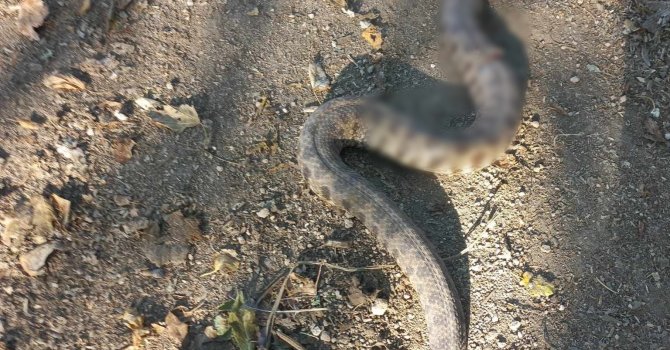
[(62, 206), (177, 119), (240, 326), (373, 36), (226, 260), (175, 328), (43, 216), (31, 15), (537, 286), (317, 76), (33, 261), (64, 82), (123, 150)]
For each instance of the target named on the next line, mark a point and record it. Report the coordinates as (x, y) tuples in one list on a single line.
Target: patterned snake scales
[(345, 122)]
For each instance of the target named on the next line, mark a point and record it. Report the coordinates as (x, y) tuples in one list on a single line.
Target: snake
[(372, 124)]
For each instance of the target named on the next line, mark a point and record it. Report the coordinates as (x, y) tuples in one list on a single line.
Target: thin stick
[(288, 340), (604, 285), (316, 309)]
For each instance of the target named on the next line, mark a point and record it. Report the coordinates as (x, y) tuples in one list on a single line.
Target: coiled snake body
[(344, 122)]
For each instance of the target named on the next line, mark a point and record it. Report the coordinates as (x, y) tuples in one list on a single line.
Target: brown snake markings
[(344, 122)]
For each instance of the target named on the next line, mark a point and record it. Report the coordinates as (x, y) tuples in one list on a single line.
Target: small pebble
[(315, 330), (263, 213), (325, 337), (348, 223), (379, 307), (574, 80), (514, 326), (310, 15), (219, 168), (535, 124)]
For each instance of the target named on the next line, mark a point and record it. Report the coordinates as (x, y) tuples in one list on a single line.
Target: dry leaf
[(279, 167), (175, 328), (34, 260), (373, 36), (261, 104), (300, 286), (227, 260), (43, 215), (123, 150), (27, 124), (147, 103), (64, 82), (654, 132), (62, 205), (182, 227), (84, 7), (31, 15), (178, 119), (135, 322), (121, 201)]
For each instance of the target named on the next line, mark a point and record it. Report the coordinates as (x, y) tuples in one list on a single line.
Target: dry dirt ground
[(580, 199)]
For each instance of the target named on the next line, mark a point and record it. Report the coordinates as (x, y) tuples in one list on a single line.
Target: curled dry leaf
[(227, 260), (147, 103), (373, 36), (123, 150), (33, 261), (64, 82), (31, 15), (175, 328), (62, 205), (43, 215)]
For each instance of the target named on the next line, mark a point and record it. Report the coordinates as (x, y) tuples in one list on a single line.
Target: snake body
[(360, 121)]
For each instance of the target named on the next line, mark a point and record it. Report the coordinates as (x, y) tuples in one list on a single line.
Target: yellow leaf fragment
[(537, 286), (373, 36), (227, 260)]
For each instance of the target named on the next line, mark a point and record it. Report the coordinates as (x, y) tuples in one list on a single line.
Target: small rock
[(348, 223), (310, 15), (574, 79), (219, 168), (263, 213), (315, 330), (592, 68), (253, 12), (535, 124), (379, 307), (325, 337), (515, 325)]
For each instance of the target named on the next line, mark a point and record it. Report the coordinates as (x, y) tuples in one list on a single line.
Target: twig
[(316, 309), (604, 285), (288, 340), (280, 294)]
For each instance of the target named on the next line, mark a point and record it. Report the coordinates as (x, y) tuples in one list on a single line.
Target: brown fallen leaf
[(653, 130), (33, 261), (121, 201), (373, 36), (183, 228), (43, 215), (175, 328), (31, 15), (123, 150), (62, 205), (135, 322), (64, 82)]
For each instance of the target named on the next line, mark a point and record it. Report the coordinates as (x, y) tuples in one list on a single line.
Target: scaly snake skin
[(345, 122)]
